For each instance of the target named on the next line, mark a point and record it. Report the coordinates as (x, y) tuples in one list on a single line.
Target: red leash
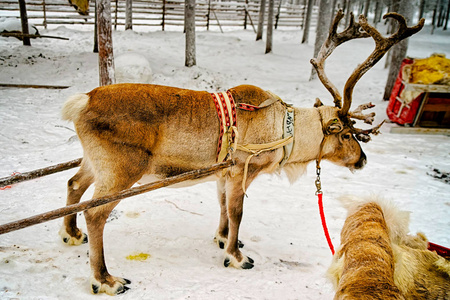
[(322, 214), (324, 223)]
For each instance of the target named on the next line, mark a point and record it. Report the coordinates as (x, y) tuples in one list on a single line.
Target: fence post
[(24, 20), (115, 15), (44, 10), (277, 17), (245, 14), (129, 15), (163, 15), (208, 15)]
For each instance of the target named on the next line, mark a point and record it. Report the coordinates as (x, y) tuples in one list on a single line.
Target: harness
[(228, 135), (226, 112)]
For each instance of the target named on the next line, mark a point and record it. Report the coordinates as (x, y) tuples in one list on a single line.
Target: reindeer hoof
[(247, 263), (113, 286), (226, 262), (72, 240), (222, 242)]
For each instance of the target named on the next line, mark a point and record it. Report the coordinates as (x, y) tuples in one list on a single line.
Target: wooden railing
[(163, 13)]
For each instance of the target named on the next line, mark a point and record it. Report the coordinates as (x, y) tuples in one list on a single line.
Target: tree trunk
[(348, 9), (129, 15), (333, 9), (366, 8), (105, 45), (277, 16), (190, 33), (307, 21), (323, 26), (447, 16), (270, 26), (377, 15), (398, 52), (421, 8), (262, 12), (95, 50), (24, 20), (441, 16), (434, 21)]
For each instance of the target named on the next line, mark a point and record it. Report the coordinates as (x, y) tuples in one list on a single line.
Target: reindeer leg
[(76, 186), (234, 204), (222, 232), (101, 280), (221, 236), (114, 175)]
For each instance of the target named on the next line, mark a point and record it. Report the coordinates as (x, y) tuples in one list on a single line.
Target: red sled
[(398, 110), (440, 250)]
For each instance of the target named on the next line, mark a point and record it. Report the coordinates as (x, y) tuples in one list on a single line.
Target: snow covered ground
[(281, 227)]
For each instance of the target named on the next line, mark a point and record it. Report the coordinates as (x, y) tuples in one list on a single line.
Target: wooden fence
[(162, 13)]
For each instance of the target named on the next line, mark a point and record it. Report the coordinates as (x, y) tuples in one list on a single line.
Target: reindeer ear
[(334, 126), (318, 103)]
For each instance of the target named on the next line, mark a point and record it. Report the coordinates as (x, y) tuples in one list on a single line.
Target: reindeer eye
[(347, 136)]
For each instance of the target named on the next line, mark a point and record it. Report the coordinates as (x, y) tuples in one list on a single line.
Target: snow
[(15, 25), (132, 67), (281, 227)]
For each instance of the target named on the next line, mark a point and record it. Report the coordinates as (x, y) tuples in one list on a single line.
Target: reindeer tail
[(73, 107)]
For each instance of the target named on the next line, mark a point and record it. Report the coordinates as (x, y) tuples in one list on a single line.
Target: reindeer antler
[(382, 45), (356, 30), (333, 40)]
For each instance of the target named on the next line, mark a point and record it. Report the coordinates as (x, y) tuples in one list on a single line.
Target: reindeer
[(377, 259), (139, 132)]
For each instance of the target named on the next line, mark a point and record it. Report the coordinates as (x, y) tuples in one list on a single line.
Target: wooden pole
[(21, 35), (75, 208), (217, 19), (39, 172), (24, 20), (251, 21)]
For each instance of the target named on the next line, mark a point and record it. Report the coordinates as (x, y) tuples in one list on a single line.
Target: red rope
[(324, 223)]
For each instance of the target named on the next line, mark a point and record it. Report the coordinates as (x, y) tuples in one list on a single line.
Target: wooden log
[(33, 86), (22, 35), (39, 172), (75, 208), (420, 130)]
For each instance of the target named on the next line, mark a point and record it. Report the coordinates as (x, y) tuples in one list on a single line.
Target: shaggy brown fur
[(378, 260)]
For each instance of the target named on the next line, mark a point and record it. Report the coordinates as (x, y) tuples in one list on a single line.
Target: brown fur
[(136, 132), (378, 260)]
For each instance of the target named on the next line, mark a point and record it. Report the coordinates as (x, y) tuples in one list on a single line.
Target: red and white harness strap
[(226, 112)]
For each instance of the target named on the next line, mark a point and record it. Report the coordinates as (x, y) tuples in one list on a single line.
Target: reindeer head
[(340, 144)]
